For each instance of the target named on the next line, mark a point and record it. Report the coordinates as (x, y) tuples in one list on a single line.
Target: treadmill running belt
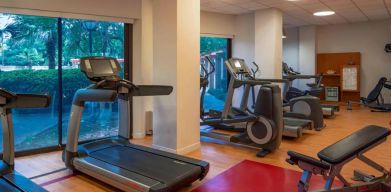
[(5, 186), (160, 168)]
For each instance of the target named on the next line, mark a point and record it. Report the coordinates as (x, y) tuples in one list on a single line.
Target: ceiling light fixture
[(324, 13)]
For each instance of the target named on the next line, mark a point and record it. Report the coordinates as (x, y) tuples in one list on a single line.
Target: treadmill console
[(237, 67), (100, 68)]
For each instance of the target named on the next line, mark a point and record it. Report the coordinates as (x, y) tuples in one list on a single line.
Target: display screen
[(101, 67), (238, 64)]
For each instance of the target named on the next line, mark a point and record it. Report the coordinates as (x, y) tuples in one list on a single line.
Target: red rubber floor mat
[(253, 176)]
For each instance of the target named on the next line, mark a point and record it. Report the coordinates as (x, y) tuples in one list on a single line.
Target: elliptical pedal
[(262, 153)]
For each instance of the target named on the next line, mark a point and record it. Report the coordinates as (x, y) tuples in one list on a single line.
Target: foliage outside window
[(216, 49)]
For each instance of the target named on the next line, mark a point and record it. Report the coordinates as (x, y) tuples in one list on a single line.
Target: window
[(217, 49), (29, 50), (90, 38), (28, 65)]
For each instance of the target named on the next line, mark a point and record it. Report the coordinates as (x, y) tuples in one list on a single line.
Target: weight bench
[(334, 157)]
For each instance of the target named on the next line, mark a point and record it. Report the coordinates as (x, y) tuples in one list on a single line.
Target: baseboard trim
[(189, 148), (180, 151), (138, 135)]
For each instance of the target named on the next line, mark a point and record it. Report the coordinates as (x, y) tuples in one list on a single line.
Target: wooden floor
[(221, 157)]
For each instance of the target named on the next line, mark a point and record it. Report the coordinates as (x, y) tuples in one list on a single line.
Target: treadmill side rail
[(116, 177), (22, 183)]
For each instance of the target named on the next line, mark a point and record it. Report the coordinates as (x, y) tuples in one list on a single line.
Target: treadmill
[(10, 180), (115, 160), (291, 75)]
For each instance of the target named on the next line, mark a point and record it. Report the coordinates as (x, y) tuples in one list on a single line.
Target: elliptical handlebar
[(388, 84), (211, 64), (256, 69)]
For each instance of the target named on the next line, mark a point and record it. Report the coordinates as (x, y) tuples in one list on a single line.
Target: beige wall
[(217, 24), (115, 10), (368, 38)]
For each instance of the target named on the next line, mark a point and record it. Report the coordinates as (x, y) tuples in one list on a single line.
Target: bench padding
[(295, 157), (353, 144)]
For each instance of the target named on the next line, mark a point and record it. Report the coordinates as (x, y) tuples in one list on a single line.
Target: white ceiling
[(299, 12)]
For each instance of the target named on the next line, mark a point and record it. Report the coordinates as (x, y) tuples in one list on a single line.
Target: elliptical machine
[(315, 89), (263, 128), (295, 122), (204, 82)]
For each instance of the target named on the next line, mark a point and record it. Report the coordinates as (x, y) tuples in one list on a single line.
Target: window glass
[(83, 38), (29, 64), (28, 50), (216, 49)]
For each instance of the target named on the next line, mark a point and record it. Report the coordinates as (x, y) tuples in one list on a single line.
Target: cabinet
[(346, 76)]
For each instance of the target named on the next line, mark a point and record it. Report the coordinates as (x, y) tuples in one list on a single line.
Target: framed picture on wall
[(350, 78)]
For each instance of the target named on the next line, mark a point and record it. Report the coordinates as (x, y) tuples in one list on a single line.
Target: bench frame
[(335, 171)]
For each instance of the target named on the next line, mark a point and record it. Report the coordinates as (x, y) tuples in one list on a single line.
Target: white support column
[(176, 42), (142, 65), (268, 42)]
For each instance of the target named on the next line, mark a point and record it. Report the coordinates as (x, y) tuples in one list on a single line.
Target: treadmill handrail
[(274, 80), (28, 101), (293, 77), (254, 82), (151, 90)]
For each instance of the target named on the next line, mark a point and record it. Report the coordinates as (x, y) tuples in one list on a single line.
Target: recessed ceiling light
[(324, 13)]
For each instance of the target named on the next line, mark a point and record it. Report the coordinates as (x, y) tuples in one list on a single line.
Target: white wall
[(238, 27), (114, 10), (368, 38), (243, 44), (215, 24), (290, 51), (291, 48), (307, 54)]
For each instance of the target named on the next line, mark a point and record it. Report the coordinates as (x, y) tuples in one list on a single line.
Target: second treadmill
[(115, 160), (10, 180)]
